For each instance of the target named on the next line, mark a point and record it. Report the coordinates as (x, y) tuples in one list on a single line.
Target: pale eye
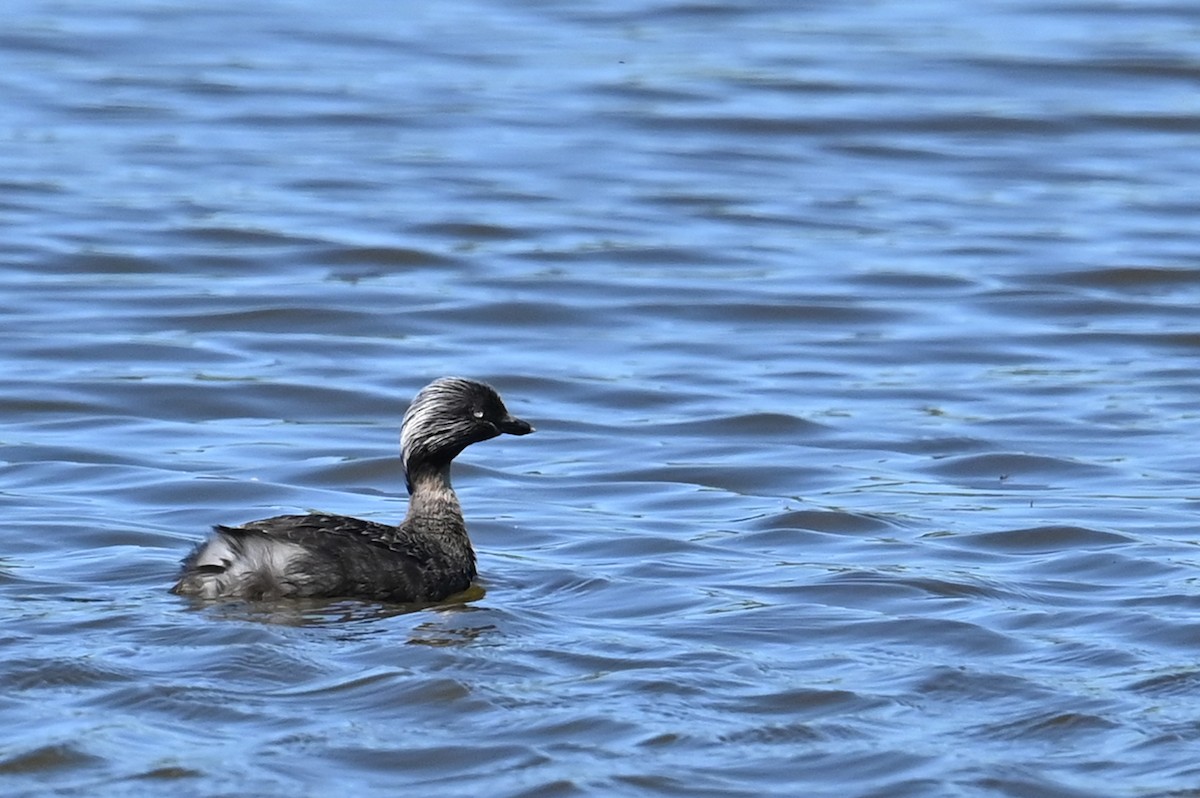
[(477, 413)]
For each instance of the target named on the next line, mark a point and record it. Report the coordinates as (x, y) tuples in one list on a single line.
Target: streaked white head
[(447, 416)]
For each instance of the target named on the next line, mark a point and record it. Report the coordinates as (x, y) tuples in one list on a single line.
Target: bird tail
[(236, 561)]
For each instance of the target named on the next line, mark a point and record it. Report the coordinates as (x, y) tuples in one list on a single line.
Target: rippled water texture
[(861, 338)]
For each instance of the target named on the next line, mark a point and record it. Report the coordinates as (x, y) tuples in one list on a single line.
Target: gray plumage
[(426, 558)]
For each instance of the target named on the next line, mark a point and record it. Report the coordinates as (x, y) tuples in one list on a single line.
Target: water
[(861, 340)]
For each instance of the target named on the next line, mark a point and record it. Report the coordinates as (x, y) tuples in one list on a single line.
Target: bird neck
[(432, 502)]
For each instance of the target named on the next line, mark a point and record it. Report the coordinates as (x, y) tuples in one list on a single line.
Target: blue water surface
[(861, 340)]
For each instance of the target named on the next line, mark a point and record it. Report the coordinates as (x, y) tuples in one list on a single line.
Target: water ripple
[(859, 338)]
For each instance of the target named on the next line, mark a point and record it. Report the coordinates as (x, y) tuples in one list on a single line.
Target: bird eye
[(477, 413)]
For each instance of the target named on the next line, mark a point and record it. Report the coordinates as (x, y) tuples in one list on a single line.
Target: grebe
[(426, 558)]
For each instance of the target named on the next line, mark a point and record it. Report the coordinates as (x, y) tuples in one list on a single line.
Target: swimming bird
[(426, 558)]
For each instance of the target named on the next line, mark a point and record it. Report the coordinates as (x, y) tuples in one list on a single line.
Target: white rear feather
[(254, 561)]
